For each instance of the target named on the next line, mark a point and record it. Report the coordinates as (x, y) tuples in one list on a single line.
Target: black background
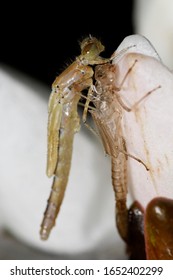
[(41, 39)]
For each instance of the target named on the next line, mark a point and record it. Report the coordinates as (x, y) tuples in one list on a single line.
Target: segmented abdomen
[(119, 182), (119, 177)]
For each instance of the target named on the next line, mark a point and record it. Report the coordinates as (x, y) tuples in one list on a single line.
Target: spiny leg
[(119, 98), (135, 158), (89, 108), (129, 109), (127, 73), (143, 97), (88, 100)]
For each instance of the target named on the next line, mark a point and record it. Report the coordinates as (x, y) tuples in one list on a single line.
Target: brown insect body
[(107, 117)]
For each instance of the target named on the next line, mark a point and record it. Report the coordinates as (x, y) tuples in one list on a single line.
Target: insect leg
[(135, 158), (127, 73), (88, 100), (119, 98), (143, 97)]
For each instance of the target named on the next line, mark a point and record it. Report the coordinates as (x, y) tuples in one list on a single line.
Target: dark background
[(41, 40)]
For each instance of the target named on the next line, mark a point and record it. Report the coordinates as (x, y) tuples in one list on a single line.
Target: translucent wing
[(54, 122)]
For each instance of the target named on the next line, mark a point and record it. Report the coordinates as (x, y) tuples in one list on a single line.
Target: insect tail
[(120, 189), (53, 207)]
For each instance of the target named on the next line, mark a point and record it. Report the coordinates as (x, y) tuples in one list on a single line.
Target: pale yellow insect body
[(64, 122)]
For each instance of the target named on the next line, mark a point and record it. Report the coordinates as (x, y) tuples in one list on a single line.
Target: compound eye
[(91, 48), (87, 49), (90, 51)]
